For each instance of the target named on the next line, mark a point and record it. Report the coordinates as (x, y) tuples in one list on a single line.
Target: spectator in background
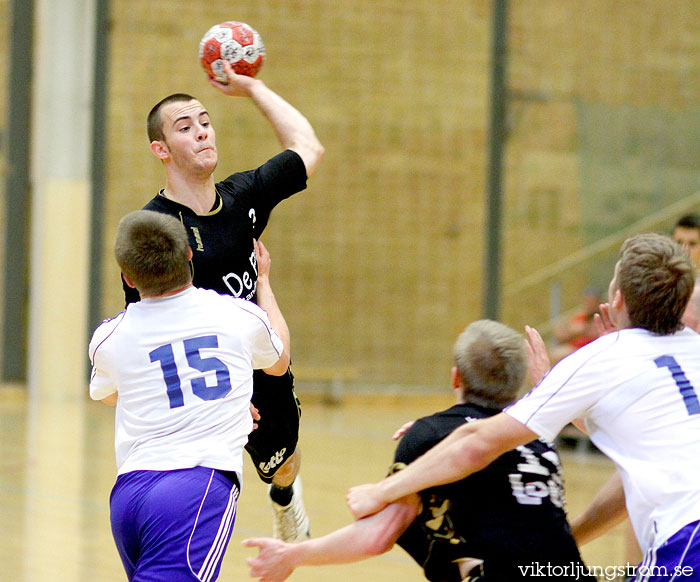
[(686, 232), (580, 329)]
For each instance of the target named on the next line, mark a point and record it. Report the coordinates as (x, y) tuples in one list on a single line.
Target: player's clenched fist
[(365, 500)]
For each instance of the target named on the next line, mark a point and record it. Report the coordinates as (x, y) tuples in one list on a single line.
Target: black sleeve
[(263, 188)]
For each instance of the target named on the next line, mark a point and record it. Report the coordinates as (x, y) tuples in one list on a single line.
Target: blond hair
[(491, 362), (152, 250)]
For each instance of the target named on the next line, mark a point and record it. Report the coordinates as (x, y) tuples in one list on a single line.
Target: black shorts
[(276, 437)]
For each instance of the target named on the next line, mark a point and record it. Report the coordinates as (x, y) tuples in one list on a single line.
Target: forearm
[(266, 300), (366, 537), (605, 511), (454, 458), (110, 400), (342, 546), (467, 450), (292, 128), (363, 538)]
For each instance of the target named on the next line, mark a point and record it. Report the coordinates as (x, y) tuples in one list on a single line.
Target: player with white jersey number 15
[(179, 367)]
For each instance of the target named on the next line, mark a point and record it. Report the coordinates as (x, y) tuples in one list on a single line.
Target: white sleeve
[(101, 385), (567, 392), (101, 382), (269, 350), (265, 345)]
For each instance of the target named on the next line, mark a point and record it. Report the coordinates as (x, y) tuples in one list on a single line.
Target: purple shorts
[(173, 526), (676, 560)]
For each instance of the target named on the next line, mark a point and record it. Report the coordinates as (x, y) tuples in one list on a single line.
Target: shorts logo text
[(274, 461)]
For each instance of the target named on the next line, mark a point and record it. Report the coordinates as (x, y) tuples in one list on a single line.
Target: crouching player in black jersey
[(222, 219), (507, 522)]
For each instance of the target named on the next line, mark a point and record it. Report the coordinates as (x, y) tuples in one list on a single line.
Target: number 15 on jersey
[(166, 357)]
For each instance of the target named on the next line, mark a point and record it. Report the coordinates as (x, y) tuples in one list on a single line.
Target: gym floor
[(57, 470)]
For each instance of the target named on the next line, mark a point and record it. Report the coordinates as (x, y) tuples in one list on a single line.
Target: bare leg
[(286, 474), (291, 523)]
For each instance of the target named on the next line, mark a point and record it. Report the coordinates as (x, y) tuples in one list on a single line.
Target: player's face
[(190, 137), (689, 239)]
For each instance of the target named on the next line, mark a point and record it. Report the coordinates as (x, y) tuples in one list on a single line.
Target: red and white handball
[(236, 42)]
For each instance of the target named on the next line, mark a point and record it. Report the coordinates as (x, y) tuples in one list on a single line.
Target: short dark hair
[(491, 362), (656, 278), (688, 221), (154, 123), (152, 250)]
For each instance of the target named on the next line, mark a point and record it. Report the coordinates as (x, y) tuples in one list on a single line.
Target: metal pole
[(17, 194), (97, 171), (497, 134)]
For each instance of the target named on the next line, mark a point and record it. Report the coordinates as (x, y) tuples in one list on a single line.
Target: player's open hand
[(255, 414), (602, 321), (537, 356), (365, 500), (263, 259), (402, 430), (273, 562), (237, 85)]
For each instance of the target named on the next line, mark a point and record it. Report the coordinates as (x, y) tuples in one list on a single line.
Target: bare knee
[(289, 470)]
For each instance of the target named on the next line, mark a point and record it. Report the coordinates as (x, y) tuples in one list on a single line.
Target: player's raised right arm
[(292, 129)]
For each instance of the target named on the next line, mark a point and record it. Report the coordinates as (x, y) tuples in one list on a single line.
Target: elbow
[(311, 153), (381, 530), (280, 367), (320, 150), (314, 147), (110, 400), (377, 543), (318, 156), (471, 457)]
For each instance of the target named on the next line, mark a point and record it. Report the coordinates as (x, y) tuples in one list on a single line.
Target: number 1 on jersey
[(690, 398)]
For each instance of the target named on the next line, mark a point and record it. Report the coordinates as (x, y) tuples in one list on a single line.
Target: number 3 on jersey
[(690, 398), (166, 357)]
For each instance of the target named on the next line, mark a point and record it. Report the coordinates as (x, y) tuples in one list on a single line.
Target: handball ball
[(236, 42)]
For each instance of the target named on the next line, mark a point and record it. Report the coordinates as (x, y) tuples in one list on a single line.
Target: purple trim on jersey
[(173, 526), (267, 327), (563, 384), (676, 560), (97, 347)]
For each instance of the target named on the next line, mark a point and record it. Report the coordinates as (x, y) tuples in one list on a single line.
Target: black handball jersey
[(510, 514), (222, 240)]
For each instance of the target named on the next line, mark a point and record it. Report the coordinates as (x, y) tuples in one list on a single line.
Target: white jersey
[(182, 367), (638, 393)]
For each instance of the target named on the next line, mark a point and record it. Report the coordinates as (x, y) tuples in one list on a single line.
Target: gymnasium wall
[(378, 264)]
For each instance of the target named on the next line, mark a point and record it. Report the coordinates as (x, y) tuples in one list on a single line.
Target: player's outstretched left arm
[(466, 450), (267, 301), (292, 129), (362, 539), (605, 511)]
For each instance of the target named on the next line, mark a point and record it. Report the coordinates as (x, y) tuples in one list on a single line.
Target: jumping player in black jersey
[(507, 522), (222, 219)]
